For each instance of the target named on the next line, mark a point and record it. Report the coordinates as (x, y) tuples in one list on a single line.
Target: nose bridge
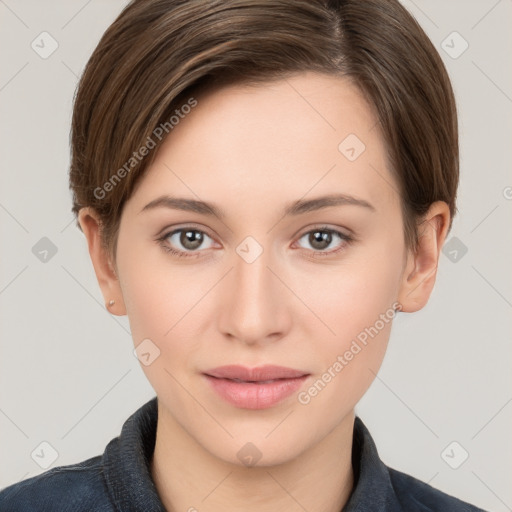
[(254, 295)]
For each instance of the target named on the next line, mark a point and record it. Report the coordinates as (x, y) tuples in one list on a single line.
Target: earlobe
[(420, 271), (103, 267)]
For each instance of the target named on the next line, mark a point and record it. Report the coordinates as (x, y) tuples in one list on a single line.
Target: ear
[(420, 271), (101, 260)]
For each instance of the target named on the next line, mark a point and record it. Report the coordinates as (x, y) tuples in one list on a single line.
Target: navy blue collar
[(377, 488)]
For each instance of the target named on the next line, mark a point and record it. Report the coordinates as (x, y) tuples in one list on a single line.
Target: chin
[(251, 451)]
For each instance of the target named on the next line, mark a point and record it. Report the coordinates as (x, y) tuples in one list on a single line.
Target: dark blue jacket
[(120, 479)]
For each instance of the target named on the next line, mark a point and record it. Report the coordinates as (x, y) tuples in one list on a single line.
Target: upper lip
[(259, 373)]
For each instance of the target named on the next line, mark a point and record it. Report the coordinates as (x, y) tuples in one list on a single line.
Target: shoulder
[(74, 488), (414, 494)]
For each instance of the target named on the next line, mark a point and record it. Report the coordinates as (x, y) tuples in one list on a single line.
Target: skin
[(251, 151)]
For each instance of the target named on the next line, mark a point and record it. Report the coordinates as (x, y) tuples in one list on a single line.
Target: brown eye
[(191, 239), (184, 242), (321, 239)]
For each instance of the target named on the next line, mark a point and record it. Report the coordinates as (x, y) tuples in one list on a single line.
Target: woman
[(263, 187)]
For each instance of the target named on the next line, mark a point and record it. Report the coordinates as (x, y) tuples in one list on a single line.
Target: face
[(261, 282)]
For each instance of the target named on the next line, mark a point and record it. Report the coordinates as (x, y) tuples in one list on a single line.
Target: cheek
[(160, 310), (347, 361), (354, 305), (351, 296), (157, 292), (161, 306), (166, 304)]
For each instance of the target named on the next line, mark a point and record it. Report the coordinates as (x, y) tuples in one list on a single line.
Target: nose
[(254, 303)]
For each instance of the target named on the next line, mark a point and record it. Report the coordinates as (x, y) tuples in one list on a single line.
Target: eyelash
[(194, 254)]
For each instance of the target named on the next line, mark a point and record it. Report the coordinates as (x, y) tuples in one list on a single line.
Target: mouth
[(256, 388), (252, 381), (261, 374), (256, 382)]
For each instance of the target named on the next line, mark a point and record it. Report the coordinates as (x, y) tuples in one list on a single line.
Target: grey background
[(68, 375)]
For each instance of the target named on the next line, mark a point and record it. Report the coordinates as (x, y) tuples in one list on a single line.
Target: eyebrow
[(296, 208)]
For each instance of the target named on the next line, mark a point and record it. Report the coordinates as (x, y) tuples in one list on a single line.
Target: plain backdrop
[(68, 376)]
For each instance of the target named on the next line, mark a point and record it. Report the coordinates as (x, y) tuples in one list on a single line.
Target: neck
[(188, 477)]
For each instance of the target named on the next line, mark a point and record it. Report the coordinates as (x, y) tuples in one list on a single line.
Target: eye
[(189, 240), (322, 237), (192, 241)]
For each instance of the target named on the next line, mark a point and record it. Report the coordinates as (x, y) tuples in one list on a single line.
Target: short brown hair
[(157, 53)]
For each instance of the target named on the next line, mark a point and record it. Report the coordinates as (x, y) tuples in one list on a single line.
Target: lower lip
[(252, 395)]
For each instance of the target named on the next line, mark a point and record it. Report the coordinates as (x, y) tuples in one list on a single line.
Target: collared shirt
[(120, 479)]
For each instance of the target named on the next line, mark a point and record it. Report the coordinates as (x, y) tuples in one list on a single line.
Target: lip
[(259, 373), (252, 389)]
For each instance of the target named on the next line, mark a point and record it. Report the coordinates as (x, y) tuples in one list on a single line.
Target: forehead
[(310, 134)]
